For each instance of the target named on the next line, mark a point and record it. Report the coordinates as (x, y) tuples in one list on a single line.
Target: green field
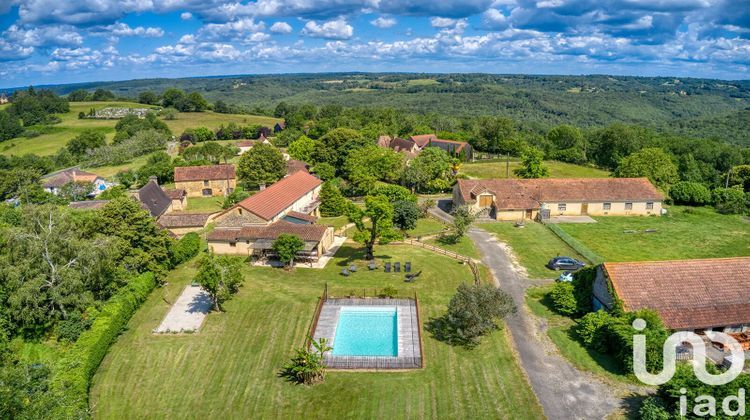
[(685, 232), (497, 169), (229, 369), (534, 245), (71, 126)]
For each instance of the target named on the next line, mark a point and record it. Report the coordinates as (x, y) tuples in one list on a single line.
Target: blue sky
[(55, 41)]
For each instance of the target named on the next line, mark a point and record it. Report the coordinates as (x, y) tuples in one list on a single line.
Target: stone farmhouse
[(288, 206), (412, 146), (55, 182), (533, 199), (205, 181), (689, 295)]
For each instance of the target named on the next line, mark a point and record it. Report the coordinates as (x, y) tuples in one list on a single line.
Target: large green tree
[(374, 223), (263, 164), (430, 171), (85, 141), (220, 276), (287, 247), (302, 149), (497, 135), (532, 164), (653, 163), (366, 165)]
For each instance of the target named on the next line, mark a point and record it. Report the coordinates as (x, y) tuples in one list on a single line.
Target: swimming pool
[(366, 331)]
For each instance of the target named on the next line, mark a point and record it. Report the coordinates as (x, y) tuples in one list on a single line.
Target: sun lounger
[(407, 267), (387, 267), (345, 272), (353, 268), (372, 266), (397, 267)]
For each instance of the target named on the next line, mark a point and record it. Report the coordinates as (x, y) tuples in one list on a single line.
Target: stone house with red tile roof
[(518, 199), (53, 183), (205, 181), (693, 295), (414, 145), (257, 241)]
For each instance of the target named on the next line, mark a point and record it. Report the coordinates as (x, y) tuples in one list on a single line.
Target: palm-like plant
[(307, 367)]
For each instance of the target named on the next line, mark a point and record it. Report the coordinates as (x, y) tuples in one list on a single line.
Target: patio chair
[(353, 268), (407, 267), (372, 266), (345, 272), (387, 267), (397, 267), (411, 277)]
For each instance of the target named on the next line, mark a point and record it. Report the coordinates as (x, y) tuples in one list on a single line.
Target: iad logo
[(705, 405), (699, 356)]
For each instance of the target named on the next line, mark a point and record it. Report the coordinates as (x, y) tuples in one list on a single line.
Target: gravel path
[(564, 391), (188, 312)]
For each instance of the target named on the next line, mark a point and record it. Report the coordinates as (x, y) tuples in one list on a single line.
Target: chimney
[(154, 179)]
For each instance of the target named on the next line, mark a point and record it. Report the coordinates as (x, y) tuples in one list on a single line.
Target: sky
[(66, 41)]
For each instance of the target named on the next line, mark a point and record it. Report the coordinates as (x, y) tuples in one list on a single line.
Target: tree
[(380, 224), (220, 277), (497, 135), (366, 165), (147, 97), (235, 197), (287, 247), (332, 202), (9, 126), (221, 107), (532, 164), (75, 191), (79, 95), (302, 149), (261, 165), (159, 165), (324, 171), (430, 171), (472, 313), (405, 214), (103, 95), (394, 193), (169, 114), (653, 163), (563, 299), (87, 140), (612, 143), (691, 193), (334, 146), (194, 103), (730, 200), (568, 143), (307, 367), (463, 217), (172, 97), (126, 177)]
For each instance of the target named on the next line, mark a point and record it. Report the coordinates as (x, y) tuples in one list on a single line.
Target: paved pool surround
[(407, 330)]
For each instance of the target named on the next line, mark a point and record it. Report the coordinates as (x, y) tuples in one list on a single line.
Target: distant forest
[(702, 108)]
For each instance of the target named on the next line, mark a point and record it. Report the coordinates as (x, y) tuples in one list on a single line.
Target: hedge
[(74, 371), (186, 248), (577, 245)]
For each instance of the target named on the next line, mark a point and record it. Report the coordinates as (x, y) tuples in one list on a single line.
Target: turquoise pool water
[(366, 331)]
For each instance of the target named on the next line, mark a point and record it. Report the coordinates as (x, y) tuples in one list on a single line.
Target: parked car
[(566, 277), (565, 263)]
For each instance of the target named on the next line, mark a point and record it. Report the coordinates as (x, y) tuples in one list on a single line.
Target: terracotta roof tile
[(688, 294), (67, 176), (270, 202), (310, 233), (88, 204), (200, 173), (423, 139), (528, 193), (293, 165), (179, 220)]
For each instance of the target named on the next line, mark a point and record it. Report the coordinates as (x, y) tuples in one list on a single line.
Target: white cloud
[(123, 29), (281, 28), (43, 36), (440, 22), (333, 29), (383, 22), (13, 51), (186, 15), (494, 19), (258, 37), (231, 30)]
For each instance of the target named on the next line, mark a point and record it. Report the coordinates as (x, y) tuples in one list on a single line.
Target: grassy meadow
[(230, 368), (70, 126), (684, 233), (497, 169), (534, 245)]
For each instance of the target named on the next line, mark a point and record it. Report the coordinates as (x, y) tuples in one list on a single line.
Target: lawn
[(336, 222), (70, 126), (465, 246), (534, 245), (684, 233), (497, 169), (426, 226), (229, 369), (204, 204)]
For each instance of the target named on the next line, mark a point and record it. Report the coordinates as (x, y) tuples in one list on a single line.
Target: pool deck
[(408, 331)]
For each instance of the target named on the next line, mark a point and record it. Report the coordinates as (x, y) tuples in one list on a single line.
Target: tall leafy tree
[(261, 165), (366, 165), (430, 171), (302, 149), (9, 126), (532, 164), (379, 227), (85, 141), (287, 247), (653, 163), (220, 276)]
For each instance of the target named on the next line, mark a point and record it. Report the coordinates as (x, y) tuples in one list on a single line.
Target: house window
[(205, 183), (233, 244), (607, 206), (628, 206), (562, 207), (207, 192), (649, 206)]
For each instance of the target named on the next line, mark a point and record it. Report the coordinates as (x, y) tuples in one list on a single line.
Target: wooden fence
[(441, 251)]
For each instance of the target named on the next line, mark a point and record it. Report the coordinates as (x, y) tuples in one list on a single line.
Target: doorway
[(584, 209)]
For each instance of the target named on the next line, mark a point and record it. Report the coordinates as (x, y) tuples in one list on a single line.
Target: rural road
[(563, 391)]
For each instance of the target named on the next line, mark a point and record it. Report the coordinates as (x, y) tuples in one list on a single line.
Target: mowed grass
[(497, 169), (204, 204), (71, 126), (534, 245), (684, 233), (230, 368)]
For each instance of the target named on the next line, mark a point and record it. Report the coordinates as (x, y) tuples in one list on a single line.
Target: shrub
[(620, 339), (405, 215), (583, 287), (563, 300), (692, 193), (80, 362), (332, 202), (653, 409), (186, 248), (71, 328), (730, 200), (592, 329), (307, 367), (388, 292)]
